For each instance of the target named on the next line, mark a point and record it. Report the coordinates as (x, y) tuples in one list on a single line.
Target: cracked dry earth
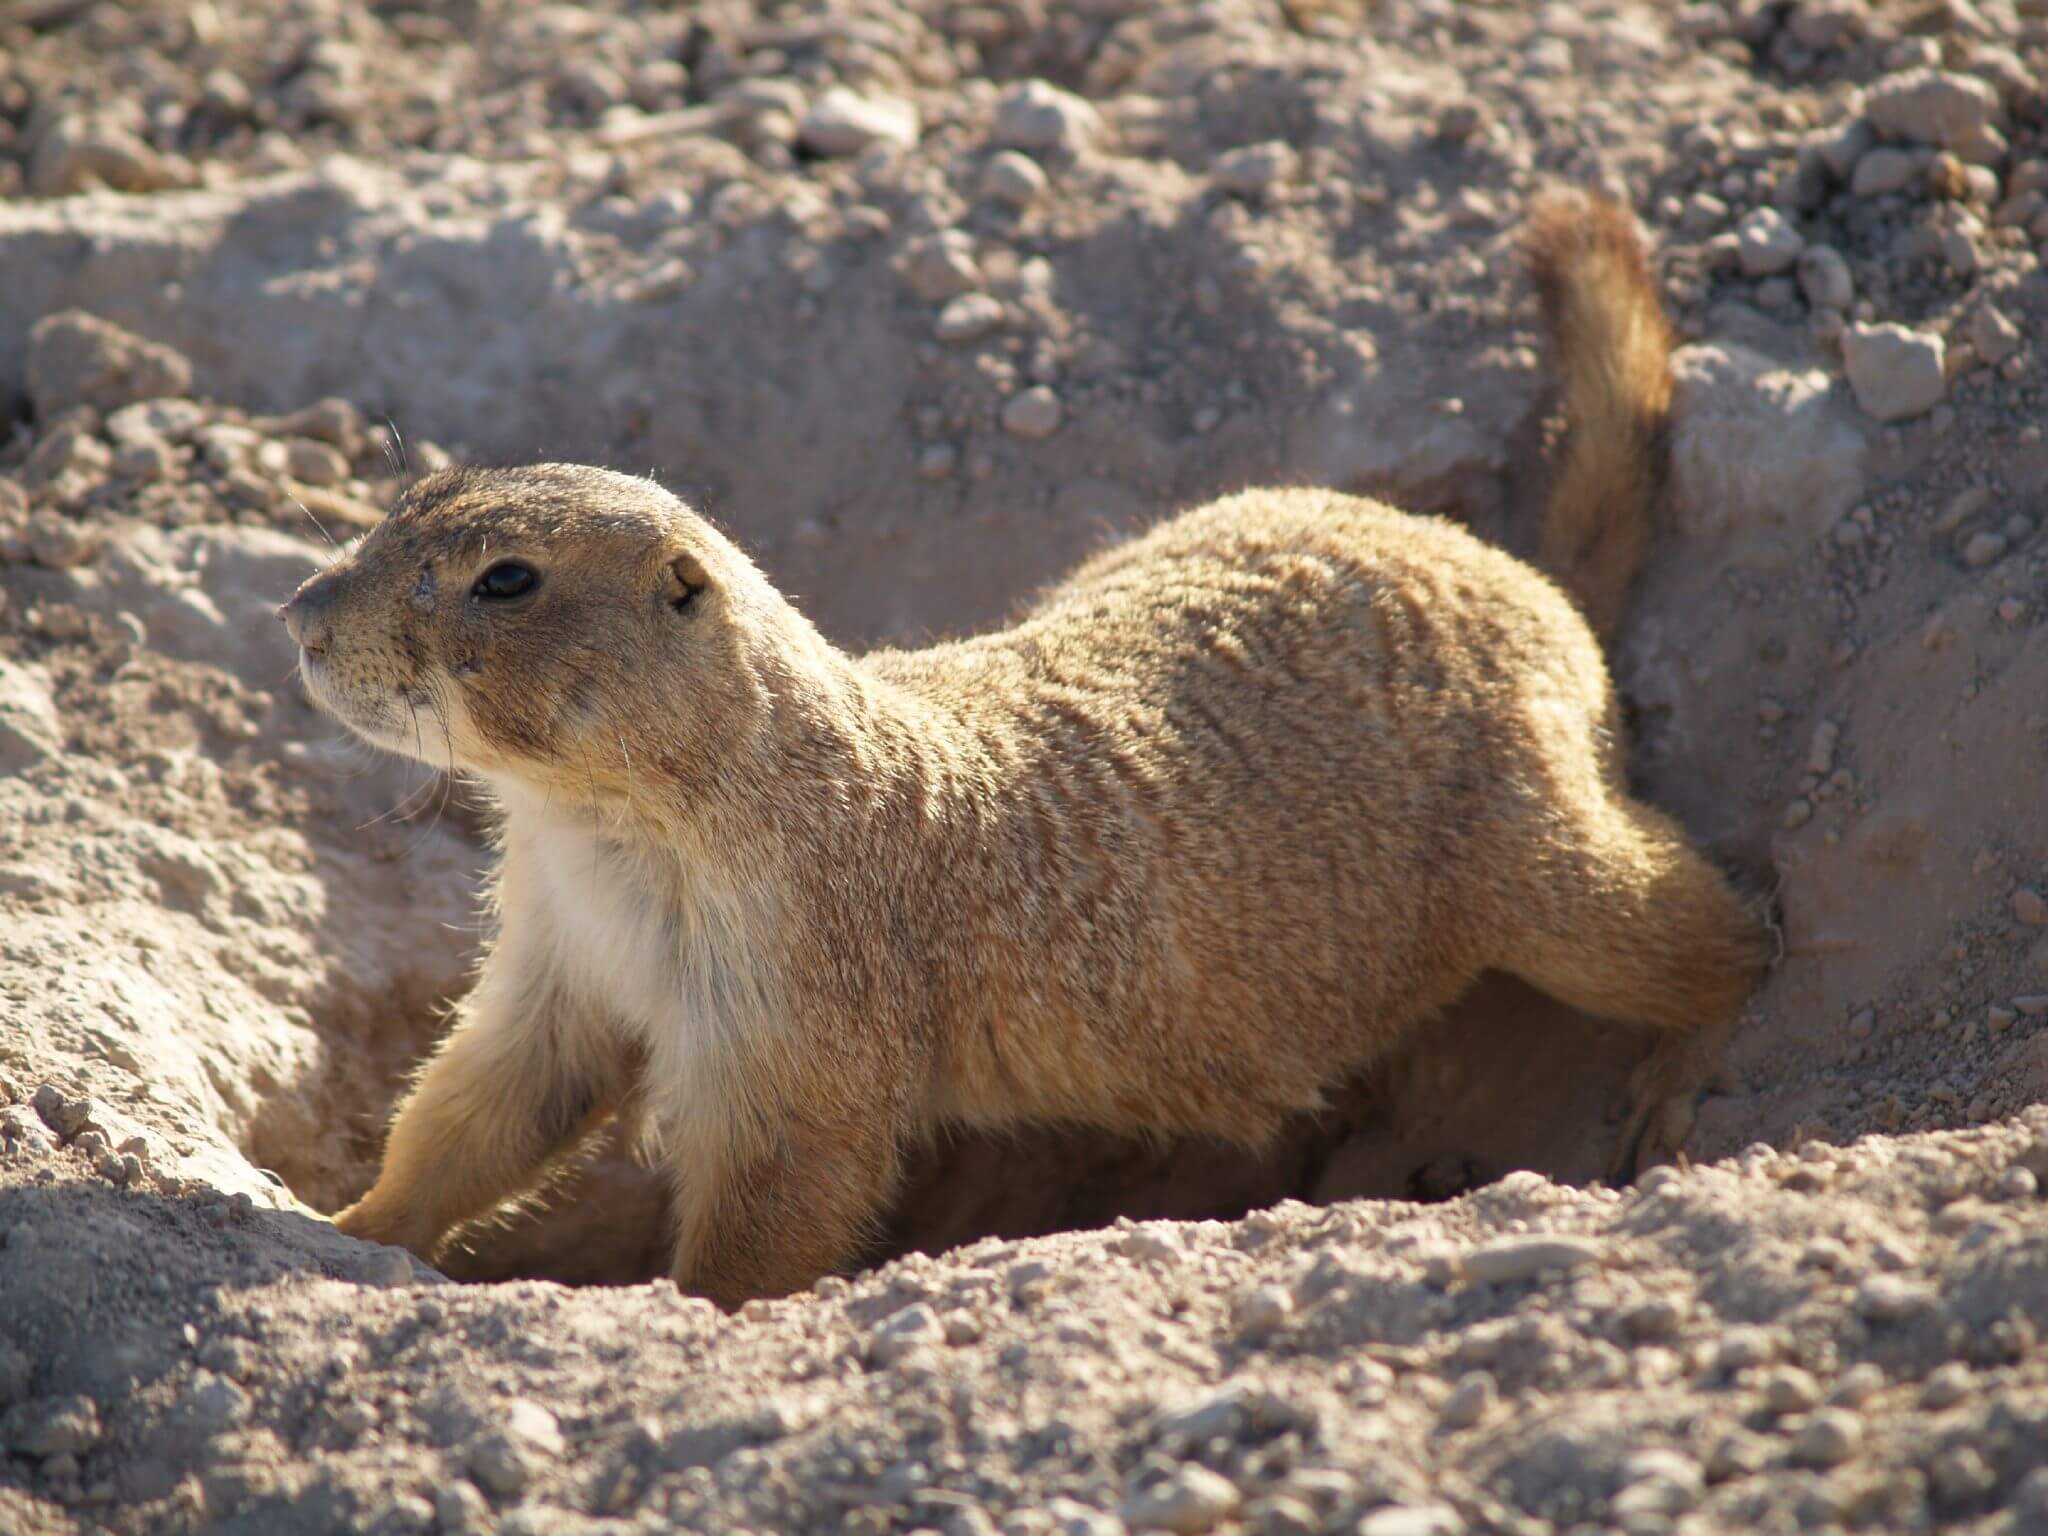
[(923, 300)]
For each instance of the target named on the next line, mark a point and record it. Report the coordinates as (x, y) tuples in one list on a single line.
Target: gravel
[(265, 263)]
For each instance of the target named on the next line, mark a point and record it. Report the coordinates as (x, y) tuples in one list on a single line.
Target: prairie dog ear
[(686, 579)]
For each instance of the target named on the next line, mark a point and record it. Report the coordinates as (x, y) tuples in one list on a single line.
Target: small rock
[(1790, 1390), (63, 1114), (1767, 242), (1040, 117), (313, 462), (64, 1426), (1014, 178), (1658, 1483), (15, 1375), (2030, 907), (75, 358), (1743, 1347), (2030, 1503), (843, 122), (1189, 1500), (1890, 1299), (1825, 279), (1737, 1455), (939, 267), (1827, 1438), (1821, 748), (1943, 108), (1413, 1520), (1960, 1475), (1033, 414), (1883, 170), (61, 543), (1469, 1402), (1896, 373), (968, 318), (458, 1507), (77, 153), (30, 732), (1982, 549), (914, 1328), (1945, 1386), (1993, 335), (1279, 1515), (1841, 147), (1857, 1385), (1524, 1258), (1264, 1310), (1254, 170)]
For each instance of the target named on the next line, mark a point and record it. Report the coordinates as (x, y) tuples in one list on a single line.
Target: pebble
[(942, 266), (75, 358), (1742, 1347), (64, 1426), (1040, 117), (2029, 906), (1033, 414), (1254, 170), (459, 1507), (1928, 106), (844, 122), (1827, 1438), (1469, 1402), (1896, 373), (61, 543), (63, 1114), (1187, 1501), (1993, 335), (1523, 1258), (1841, 147), (1857, 1385), (1658, 1484), (1890, 1299), (314, 462), (1883, 170), (1825, 279), (1790, 1390), (1413, 1520), (1767, 242), (1960, 1475), (1014, 178), (1280, 1515), (1264, 1310), (913, 1329), (1945, 1386), (78, 153), (1982, 549), (1821, 749), (969, 317)]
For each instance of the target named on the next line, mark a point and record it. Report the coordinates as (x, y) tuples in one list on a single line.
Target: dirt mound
[(921, 302)]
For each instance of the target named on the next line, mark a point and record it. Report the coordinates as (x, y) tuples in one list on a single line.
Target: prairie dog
[(1223, 819)]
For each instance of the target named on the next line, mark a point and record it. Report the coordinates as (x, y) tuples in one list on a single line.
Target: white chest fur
[(654, 945)]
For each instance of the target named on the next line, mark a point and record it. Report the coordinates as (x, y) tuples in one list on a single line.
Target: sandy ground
[(922, 301)]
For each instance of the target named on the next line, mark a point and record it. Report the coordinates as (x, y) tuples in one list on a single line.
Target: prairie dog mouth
[(391, 723)]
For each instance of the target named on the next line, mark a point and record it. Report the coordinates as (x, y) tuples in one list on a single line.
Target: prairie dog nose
[(309, 616)]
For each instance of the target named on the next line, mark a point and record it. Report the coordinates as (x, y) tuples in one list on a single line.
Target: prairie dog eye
[(506, 579)]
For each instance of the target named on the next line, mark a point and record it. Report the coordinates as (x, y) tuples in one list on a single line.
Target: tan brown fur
[(1611, 347), (1231, 814)]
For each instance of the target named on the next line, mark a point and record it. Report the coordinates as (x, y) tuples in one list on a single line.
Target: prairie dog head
[(555, 625)]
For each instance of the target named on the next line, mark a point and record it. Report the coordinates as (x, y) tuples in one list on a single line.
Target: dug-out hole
[(1508, 1079)]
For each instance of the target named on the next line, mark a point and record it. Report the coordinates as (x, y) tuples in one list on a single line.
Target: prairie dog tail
[(1611, 350)]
